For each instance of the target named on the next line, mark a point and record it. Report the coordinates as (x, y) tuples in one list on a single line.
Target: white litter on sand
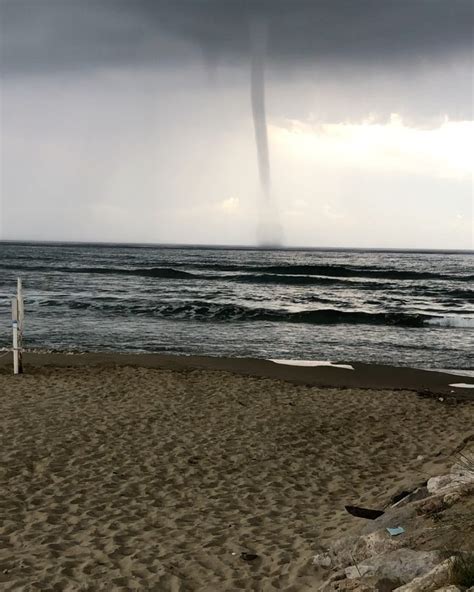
[(462, 385), (312, 363)]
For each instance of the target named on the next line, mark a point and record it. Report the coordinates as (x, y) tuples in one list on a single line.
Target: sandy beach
[(132, 477)]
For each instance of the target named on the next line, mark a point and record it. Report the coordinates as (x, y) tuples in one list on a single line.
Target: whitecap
[(451, 321)]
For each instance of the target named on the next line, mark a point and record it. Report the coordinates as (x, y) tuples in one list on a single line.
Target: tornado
[(269, 232)]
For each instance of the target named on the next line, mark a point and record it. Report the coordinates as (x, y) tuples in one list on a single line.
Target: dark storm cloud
[(54, 35)]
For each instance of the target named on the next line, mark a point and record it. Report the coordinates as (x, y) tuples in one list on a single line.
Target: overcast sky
[(131, 120)]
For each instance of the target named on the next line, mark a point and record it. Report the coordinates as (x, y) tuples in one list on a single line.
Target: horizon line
[(229, 246)]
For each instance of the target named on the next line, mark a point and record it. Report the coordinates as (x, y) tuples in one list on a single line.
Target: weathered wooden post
[(21, 317), (17, 328), (16, 365)]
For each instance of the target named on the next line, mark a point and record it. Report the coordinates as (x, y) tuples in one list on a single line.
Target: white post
[(21, 316), (16, 366), (21, 309)]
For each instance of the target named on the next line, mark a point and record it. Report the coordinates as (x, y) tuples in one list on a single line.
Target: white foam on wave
[(312, 363), (462, 385), (451, 321)]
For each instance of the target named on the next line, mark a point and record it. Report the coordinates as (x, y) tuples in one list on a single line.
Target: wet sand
[(157, 473), (373, 376)]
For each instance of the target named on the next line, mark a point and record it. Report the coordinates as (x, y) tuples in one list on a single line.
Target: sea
[(402, 308)]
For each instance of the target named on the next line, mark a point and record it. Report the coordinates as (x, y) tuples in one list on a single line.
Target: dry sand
[(129, 478)]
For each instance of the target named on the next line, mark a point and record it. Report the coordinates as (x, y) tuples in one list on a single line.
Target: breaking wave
[(453, 322), (210, 311)]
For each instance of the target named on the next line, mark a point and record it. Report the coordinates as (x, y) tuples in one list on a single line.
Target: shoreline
[(362, 376)]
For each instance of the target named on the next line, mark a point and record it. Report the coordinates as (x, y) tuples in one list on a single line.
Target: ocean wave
[(326, 316), (452, 322), (303, 274), (466, 295), (153, 272), (446, 293), (246, 278), (339, 271), (269, 278), (212, 311)]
